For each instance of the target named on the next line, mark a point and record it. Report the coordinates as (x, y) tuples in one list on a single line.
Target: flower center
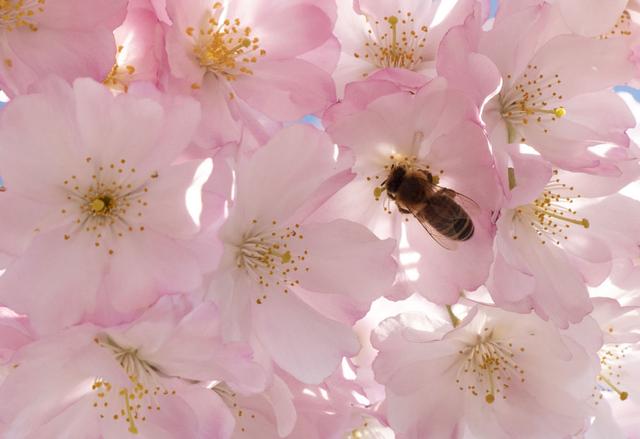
[(225, 47), (266, 257), (549, 214), (112, 200), (489, 367), (533, 100), (102, 205), (394, 42), (143, 394), (15, 14)]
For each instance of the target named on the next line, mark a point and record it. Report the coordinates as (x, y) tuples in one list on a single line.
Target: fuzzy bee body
[(437, 208)]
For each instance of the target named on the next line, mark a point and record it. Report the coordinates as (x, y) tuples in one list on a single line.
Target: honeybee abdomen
[(463, 228), (448, 218)]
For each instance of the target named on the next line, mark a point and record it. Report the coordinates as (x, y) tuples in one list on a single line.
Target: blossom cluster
[(319, 219)]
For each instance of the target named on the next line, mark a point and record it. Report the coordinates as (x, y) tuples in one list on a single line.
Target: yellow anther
[(490, 398), (624, 396), (393, 20), (585, 223), (559, 111), (286, 257), (246, 42), (98, 205), (377, 192)]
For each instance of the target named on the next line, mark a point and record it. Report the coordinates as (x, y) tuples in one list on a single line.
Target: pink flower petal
[(286, 89), (286, 327), (345, 258), (66, 284)]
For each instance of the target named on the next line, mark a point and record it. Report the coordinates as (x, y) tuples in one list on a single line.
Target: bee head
[(394, 180)]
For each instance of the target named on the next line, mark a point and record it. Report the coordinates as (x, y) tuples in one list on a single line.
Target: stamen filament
[(583, 222), (132, 426), (511, 175), (623, 395)]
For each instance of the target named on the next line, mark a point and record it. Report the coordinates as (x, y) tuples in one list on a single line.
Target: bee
[(437, 208)]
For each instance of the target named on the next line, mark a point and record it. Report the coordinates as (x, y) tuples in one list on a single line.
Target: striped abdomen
[(447, 217)]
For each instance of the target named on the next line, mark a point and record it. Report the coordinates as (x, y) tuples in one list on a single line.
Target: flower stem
[(455, 321)]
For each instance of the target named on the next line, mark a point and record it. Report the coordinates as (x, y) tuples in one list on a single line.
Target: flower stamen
[(143, 392), (394, 42), (549, 214), (266, 256), (225, 47), (107, 202), (531, 100), (15, 14), (489, 367)]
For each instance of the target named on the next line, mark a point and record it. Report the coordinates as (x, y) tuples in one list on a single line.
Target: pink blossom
[(503, 375), (377, 34), (147, 377), (618, 381), (253, 51), (551, 245), (101, 215), (556, 94), (435, 130), (288, 282), (69, 38)]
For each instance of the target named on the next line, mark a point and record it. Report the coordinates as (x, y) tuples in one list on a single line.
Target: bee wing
[(470, 207), (438, 237)]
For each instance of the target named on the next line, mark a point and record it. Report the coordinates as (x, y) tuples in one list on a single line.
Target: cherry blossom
[(551, 244), (502, 374), (105, 198), (404, 35), (320, 219), (246, 49), (550, 88), (110, 382), (289, 282), (70, 38), (619, 356), (435, 130)]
